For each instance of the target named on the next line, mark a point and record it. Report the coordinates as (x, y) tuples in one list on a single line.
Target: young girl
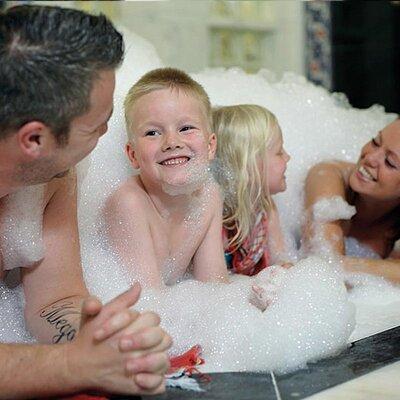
[(253, 164)]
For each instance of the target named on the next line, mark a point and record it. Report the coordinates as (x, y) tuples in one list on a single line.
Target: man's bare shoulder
[(68, 184)]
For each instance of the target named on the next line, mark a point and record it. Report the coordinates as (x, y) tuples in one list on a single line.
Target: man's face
[(83, 136)]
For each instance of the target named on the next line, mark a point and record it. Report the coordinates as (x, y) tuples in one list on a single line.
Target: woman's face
[(377, 174)]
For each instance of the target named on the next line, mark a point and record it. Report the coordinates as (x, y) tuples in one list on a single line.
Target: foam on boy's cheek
[(188, 178)]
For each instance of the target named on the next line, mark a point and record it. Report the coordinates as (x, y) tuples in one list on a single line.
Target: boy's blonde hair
[(165, 78), (244, 133)]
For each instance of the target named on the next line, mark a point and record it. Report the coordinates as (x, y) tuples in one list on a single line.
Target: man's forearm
[(58, 322), (30, 371)]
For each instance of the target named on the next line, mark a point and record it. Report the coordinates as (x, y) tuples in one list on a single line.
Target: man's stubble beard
[(37, 172)]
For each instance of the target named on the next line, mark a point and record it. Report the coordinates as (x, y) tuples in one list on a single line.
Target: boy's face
[(172, 145)]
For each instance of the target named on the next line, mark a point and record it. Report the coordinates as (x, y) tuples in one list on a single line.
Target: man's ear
[(130, 152), (34, 139), (212, 146)]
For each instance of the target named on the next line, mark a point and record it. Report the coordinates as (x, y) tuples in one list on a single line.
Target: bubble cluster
[(12, 322), (311, 317), (21, 245), (332, 209), (21, 242), (377, 304), (195, 176)]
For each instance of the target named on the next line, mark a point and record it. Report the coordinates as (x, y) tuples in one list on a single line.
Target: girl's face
[(377, 174), (277, 160)]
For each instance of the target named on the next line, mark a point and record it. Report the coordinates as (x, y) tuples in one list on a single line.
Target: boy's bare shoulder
[(129, 195)]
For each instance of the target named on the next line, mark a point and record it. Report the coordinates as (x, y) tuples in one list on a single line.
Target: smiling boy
[(168, 118)]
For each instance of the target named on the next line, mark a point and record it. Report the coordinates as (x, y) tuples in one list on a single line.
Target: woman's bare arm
[(324, 180), (388, 268)]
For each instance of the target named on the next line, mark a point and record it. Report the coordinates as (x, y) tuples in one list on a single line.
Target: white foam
[(21, 228), (377, 303), (354, 248), (12, 323), (307, 320), (332, 209)]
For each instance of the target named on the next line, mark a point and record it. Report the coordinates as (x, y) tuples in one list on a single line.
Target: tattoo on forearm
[(58, 315)]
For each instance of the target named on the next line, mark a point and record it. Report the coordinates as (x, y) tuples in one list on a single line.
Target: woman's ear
[(35, 139), (130, 152)]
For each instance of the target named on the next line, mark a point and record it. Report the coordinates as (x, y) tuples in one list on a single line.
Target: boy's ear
[(130, 152), (35, 139), (212, 146)]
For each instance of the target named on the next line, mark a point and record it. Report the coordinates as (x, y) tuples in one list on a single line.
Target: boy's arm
[(324, 180), (209, 262), (130, 235)]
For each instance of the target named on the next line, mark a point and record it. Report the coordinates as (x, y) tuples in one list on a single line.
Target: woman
[(372, 186)]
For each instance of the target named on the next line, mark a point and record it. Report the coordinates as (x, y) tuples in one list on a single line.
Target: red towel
[(188, 360)]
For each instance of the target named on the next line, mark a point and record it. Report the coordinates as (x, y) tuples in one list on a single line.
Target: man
[(57, 78)]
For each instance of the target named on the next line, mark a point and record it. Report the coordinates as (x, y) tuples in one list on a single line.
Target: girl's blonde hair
[(165, 78), (244, 133)]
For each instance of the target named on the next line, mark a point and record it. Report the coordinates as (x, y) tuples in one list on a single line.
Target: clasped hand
[(119, 350)]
